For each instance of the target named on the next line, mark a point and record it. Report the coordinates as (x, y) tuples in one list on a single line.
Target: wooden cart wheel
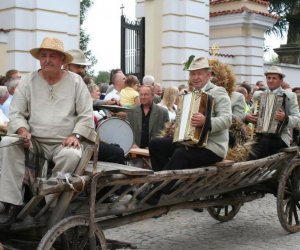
[(71, 233), (288, 197), (224, 213)]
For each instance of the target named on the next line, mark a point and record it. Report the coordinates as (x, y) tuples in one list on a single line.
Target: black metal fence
[(133, 47)]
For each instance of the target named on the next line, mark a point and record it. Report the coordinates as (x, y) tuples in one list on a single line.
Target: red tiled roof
[(241, 10), (214, 2), (4, 30)]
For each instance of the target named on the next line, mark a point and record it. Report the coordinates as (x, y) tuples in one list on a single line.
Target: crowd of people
[(52, 110)]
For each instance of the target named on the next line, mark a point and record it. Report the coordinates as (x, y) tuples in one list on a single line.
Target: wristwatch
[(78, 136)]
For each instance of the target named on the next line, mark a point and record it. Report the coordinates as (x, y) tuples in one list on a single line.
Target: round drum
[(116, 131)]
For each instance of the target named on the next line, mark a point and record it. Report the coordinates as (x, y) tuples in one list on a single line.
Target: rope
[(67, 176)]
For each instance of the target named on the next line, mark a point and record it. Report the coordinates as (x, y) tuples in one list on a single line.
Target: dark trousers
[(265, 146), (164, 155), (111, 153)]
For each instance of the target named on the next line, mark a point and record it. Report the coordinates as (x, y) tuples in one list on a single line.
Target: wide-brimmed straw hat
[(275, 70), (52, 44), (78, 57), (199, 63)]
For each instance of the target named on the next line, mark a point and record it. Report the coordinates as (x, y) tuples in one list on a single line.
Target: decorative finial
[(122, 7), (214, 49)]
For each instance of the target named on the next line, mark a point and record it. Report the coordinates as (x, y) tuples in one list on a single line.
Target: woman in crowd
[(95, 94), (169, 99)]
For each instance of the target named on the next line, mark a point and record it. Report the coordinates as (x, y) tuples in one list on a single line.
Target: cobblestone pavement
[(256, 226)]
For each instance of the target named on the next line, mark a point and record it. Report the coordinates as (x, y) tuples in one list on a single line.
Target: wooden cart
[(79, 218)]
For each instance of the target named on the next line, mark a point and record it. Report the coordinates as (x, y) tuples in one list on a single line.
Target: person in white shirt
[(118, 80), (11, 87)]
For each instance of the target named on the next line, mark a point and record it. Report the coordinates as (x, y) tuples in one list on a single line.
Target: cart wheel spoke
[(223, 213), (71, 233), (295, 214), (288, 197), (226, 210), (287, 207), (290, 216)]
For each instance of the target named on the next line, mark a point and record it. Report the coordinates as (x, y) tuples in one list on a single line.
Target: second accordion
[(265, 109), (190, 103)]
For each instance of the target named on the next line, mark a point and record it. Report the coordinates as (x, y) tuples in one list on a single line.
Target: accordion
[(265, 109), (190, 103)]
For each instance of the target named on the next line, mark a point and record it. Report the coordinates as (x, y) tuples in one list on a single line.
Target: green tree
[(103, 77), (84, 37), (289, 21)]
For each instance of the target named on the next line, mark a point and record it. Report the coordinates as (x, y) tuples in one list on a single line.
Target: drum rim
[(119, 119)]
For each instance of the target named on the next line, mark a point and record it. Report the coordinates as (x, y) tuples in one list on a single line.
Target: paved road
[(256, 226)]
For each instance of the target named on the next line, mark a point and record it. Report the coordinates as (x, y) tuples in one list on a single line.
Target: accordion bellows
[(190, 103), (266, 108)]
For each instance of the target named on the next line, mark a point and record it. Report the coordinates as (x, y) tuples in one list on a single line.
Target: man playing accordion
[(166, 155), (287, 116)]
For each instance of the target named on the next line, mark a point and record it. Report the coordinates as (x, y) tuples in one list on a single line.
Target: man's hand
[(71, 141), (26, 137), (115, 102), (197, 120), (251, 118), (280, 115)]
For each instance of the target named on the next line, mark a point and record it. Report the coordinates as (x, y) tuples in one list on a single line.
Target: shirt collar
[(204, 87), (116, 91)]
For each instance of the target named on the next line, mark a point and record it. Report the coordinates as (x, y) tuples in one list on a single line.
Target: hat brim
[(274, 72), (83, 64), (198, 68), (67, 59)]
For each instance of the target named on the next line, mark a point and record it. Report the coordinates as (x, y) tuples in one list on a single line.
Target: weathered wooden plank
[(224, 163), (118, 168), (61, 186), (66, 197), (290, 149), (29, 206)]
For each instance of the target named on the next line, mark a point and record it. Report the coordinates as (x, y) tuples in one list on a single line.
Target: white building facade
[(24, 24), (175, 29)]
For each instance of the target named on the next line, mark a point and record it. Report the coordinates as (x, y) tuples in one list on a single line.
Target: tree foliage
[(84, 37), (103, 77), (289, 13)]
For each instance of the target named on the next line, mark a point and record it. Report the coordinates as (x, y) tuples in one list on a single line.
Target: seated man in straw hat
[(267, 144), (52, 112), (165, 155)]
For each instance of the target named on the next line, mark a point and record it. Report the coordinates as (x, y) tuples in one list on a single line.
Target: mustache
[(48, 64)]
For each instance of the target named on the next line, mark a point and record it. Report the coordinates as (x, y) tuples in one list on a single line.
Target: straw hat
[(52, 44), (199, 63), (275, 70), (78, 57)]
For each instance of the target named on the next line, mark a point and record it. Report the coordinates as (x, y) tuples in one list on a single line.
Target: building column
[(238, 28), (174, 31)]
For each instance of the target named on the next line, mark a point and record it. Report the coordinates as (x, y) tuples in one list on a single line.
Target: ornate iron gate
[(133, 47)]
